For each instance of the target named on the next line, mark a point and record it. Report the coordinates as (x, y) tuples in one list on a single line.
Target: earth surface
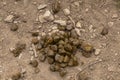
[(93, 15)]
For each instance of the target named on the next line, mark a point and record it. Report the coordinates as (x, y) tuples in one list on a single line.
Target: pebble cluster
[(59, 48)]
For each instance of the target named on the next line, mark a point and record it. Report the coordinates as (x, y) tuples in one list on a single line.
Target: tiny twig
[(35, 52), (72, 20), (85, 67)]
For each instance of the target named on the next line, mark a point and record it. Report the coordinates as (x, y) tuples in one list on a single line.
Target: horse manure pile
[(59, 49)]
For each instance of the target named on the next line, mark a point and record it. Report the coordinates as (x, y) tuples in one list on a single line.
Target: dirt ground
[(92, 14)]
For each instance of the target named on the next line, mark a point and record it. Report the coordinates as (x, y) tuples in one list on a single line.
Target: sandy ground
[(93, 15)]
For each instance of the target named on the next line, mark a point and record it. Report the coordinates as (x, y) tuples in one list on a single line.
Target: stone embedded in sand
[(62, 72), (42, 6), (50, 53), (14, 27), (35, 33), (66, 59), (18, 49), (59, 58), (66, 11), (60, 22), (87, 47), (56, 6), (35, 40), (50, 60), (16, 76), (78, 24), (48, 16), (34, 63), (9, 18), (42, 57), (104, 31)]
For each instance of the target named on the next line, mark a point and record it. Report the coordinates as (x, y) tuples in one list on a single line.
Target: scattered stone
[(77, 31), (35, 33), (87, 50), (9, 18), (97, 52), (37, 70), (78, 25), (42, 6), (42, 57), (110, 24), (35, 40), (50, 60), (62, 72), (16, 76), (60, 22), (114, 16), (34, 63), (66, 11), (18, 49), (59, 58), (54, 67), (48, 16), (87, 47), (14, 27), (104, 31), (56, 6), (77, 3), (69, 27), (41, 18)]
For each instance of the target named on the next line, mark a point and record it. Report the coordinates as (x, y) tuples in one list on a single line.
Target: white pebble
[(48, 16), (60, 22), (42, 6), (9, 18), (78, 25), (77, 31), (110, 24), (114, 16), (41, 19), (97, 51), (66, 11)]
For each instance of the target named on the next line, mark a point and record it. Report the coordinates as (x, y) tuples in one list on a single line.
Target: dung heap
[(59, 49)]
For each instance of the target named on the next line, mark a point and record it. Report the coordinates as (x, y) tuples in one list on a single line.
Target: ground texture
[(93, 15)]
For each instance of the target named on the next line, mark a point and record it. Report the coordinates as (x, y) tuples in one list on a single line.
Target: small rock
[(35, 33), (66, 11), (97, 52), (50, 53), (14, 27), (77, 3), (9, 18), (59, 58), (48, 16), (62, 72), (34, 63), (41, 19), (16, 76), (114, 16), (56, 6), (60, 22), (77, 31), (50, 60), (35, 40), (42, 57), (87, 47), (104, 31), (69, 27), (110, 24), (54, 67), (78, 25), (42, 6), (37, 70), (18, 49)]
